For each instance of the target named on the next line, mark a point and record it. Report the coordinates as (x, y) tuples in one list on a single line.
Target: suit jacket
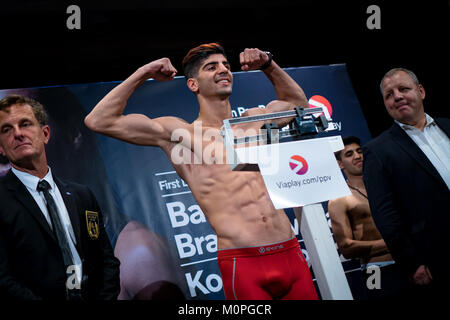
[(31, 263), (409, 200)]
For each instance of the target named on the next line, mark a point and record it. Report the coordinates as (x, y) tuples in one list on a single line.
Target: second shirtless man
[(258, 254), (354, 229)]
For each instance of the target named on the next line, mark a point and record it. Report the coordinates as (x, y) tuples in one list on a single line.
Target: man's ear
[(46, 131), (2, 152), (340, 164), (421, 91), (192, 84)]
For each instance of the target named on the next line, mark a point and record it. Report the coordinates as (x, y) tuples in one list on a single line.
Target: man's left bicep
[(280, 106)]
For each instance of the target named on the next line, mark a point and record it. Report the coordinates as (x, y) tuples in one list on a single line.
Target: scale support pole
[(322, 252), (314, 228)]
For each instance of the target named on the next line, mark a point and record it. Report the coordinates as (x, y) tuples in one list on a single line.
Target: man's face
[(352, 160), (214, 77), (21, 137), (403, 98)]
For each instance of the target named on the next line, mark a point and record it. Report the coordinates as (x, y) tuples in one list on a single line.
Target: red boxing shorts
[(275, 271)]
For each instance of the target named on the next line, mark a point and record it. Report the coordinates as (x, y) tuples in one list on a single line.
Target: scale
[(268, 151)]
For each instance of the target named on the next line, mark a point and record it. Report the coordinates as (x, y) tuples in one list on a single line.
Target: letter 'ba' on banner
[(145, 204)]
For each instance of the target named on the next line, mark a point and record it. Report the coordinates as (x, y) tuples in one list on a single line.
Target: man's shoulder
[(341, 202), (443, 121), (6, 181), (381, 139)]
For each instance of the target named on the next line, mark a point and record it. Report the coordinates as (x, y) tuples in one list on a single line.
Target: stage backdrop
[(159, 232)]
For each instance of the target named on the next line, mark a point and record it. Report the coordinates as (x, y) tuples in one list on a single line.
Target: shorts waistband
[(258, 250)]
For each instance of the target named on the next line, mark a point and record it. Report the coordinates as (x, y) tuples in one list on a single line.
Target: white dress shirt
[(434, 143), (31, 183)]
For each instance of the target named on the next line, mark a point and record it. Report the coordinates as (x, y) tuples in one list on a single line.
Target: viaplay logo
[(298, 164), (321, 102)]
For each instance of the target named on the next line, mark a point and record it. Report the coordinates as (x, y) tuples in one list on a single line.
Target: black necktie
[(58, 229)]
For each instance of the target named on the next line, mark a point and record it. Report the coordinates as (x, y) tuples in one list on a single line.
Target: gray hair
[(393, 71)]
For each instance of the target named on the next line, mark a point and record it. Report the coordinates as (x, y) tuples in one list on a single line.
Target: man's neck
[(418, 123), (213, 112), (38, 169), (356, 181)]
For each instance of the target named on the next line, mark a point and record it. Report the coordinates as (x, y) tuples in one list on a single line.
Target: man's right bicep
[(340, 223), (141, 130)]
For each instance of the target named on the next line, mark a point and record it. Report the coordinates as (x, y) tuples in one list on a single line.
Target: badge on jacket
[(92, 222)]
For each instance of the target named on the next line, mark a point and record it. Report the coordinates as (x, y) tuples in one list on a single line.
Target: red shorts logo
[(298, 164)]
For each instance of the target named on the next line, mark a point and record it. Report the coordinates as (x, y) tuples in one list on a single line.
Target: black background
[(117, 37)]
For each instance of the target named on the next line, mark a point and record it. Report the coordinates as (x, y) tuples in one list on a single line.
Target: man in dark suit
[(53, 244), (407, 177)]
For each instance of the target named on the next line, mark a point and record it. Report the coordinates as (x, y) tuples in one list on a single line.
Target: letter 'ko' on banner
[(307, 173)]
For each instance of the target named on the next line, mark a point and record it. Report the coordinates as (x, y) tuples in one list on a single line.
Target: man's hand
[(252, 59), (422, 276), (161, 70)]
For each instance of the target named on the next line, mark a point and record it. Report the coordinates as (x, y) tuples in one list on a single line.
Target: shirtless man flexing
[(236, 204), (353, 227)]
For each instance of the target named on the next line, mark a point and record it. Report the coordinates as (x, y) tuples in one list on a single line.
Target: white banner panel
[(307, 172)]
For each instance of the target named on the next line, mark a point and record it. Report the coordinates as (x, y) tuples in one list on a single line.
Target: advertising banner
[(158, 231), (306, 172)]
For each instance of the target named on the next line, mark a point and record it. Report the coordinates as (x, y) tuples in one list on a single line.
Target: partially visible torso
[(363, 226)]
